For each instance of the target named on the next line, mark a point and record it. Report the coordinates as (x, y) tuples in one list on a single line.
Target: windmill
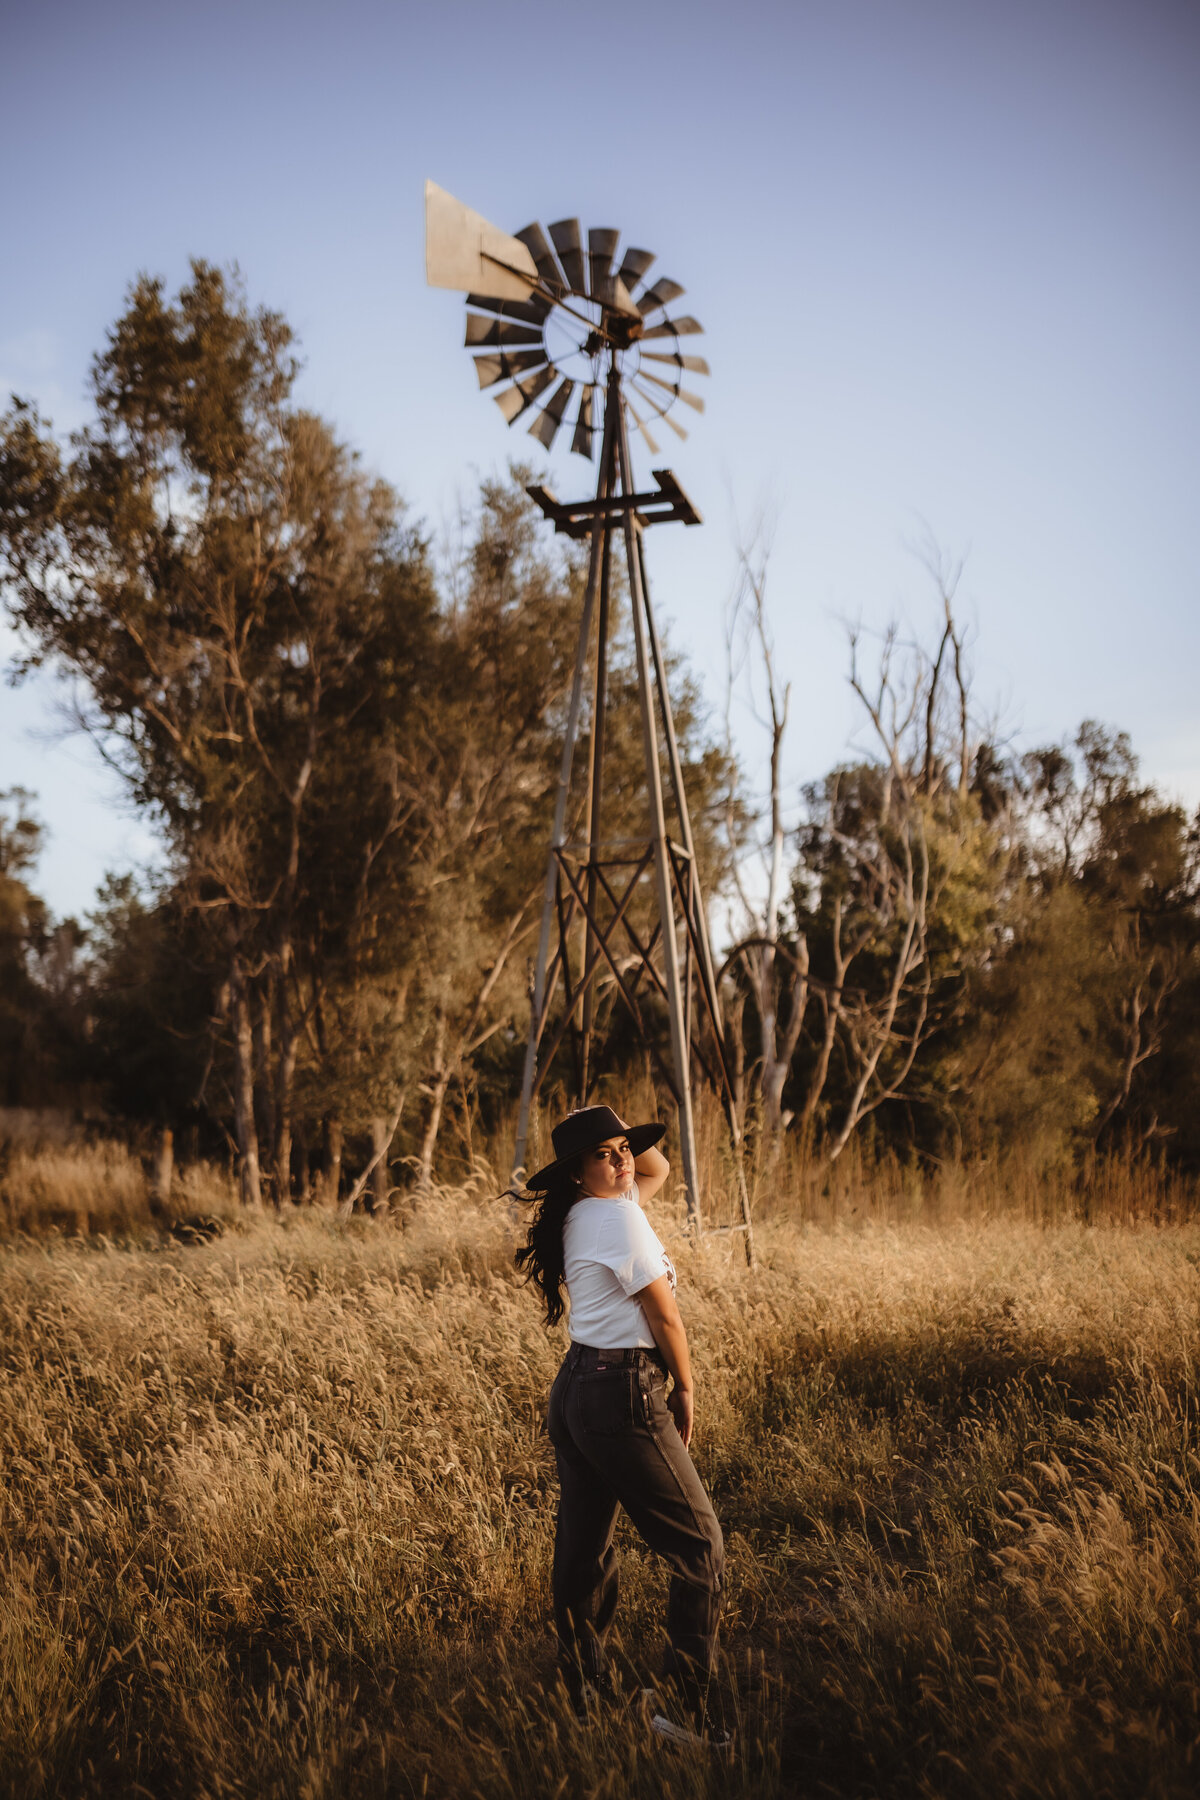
[(547, 320)]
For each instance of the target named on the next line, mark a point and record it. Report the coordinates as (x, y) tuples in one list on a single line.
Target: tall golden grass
[(277, 1510)]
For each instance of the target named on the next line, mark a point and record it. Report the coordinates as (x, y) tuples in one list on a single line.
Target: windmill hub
[(544, 314), (621, 331)]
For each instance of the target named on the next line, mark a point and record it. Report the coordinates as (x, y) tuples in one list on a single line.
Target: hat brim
[(641, 1137)]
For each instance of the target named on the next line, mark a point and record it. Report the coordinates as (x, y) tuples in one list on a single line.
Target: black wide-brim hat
[(583, 1130)]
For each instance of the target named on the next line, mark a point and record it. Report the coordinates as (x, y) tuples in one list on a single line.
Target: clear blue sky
[(946, 255)]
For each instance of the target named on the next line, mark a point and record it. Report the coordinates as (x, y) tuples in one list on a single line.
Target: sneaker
[(582, 1690), (694, 1727)]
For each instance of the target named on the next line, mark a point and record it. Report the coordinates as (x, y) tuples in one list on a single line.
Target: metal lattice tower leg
[(672, 863), (604, 312)]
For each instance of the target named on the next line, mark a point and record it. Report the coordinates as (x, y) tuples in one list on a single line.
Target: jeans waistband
[(588, 1357)]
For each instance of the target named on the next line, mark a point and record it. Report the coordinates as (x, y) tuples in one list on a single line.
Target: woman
[(619, 1437)]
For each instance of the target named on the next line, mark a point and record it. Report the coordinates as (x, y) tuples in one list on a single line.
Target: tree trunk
[(775, 1074), (301, 1186), (286, 1047), (735, 1038), (774, 1066), (264, 1085), (249, 1184), (331, 1179), (467, 1098), (777, 1043), (164, 1168), (433, 1125), (380, 1185), (820, 1074), (436, 1089)]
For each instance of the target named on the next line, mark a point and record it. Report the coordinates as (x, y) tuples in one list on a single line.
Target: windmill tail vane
[(575, 338)]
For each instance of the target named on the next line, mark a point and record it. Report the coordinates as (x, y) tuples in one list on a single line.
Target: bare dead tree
[(457, 1037), (777, 974), (884, 843), (1142, 1024), (898, 840)]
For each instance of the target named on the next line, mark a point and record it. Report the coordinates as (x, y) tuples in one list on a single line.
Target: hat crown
[(584, 1130), (581, 1130)]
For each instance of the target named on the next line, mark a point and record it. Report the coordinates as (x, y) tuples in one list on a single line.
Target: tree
[(347, 774), (488, 762), (44, 1059), (212, 563), (1145, 876), (773, 964), (150, 987), (1079, 1017), (904, 872), (900, 863), (24, 929)]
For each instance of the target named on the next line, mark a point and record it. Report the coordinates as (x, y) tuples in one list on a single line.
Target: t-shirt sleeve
[(630, 1247)]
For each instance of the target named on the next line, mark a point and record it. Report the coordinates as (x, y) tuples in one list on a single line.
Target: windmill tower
[(546, 320)]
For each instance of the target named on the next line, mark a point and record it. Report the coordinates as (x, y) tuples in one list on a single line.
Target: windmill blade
[(499, 331), (584, 431), (658, 408), (696, 364), (545, 426), (464, 250), (567, 241), (602, 247), (673, 387), (530, 312), (534, 240), (660, 412), (634, 266), (613, 294), (643, 428), (661, 294), (491, 369), (685, 327), (514, 400)]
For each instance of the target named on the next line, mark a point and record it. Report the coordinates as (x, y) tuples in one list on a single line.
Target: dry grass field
[(277, 1509)]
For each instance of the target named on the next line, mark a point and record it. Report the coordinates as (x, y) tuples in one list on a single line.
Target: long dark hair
[(541, 1255)]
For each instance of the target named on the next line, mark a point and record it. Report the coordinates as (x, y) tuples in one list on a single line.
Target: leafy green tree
[(152, 987), (43, 997), (1079, 1013), (212, 562), (352, 778), (24, 930)]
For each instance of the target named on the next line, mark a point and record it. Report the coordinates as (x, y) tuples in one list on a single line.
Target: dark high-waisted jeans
[(617, 1444)]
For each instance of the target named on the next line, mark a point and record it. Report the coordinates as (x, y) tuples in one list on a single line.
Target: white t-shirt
[(610, 1253)]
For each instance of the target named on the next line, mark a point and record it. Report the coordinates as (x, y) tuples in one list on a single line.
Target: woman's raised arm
[(651, 1169)]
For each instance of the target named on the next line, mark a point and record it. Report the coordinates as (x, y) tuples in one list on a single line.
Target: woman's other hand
[(666, 1328), (682, 1408)]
